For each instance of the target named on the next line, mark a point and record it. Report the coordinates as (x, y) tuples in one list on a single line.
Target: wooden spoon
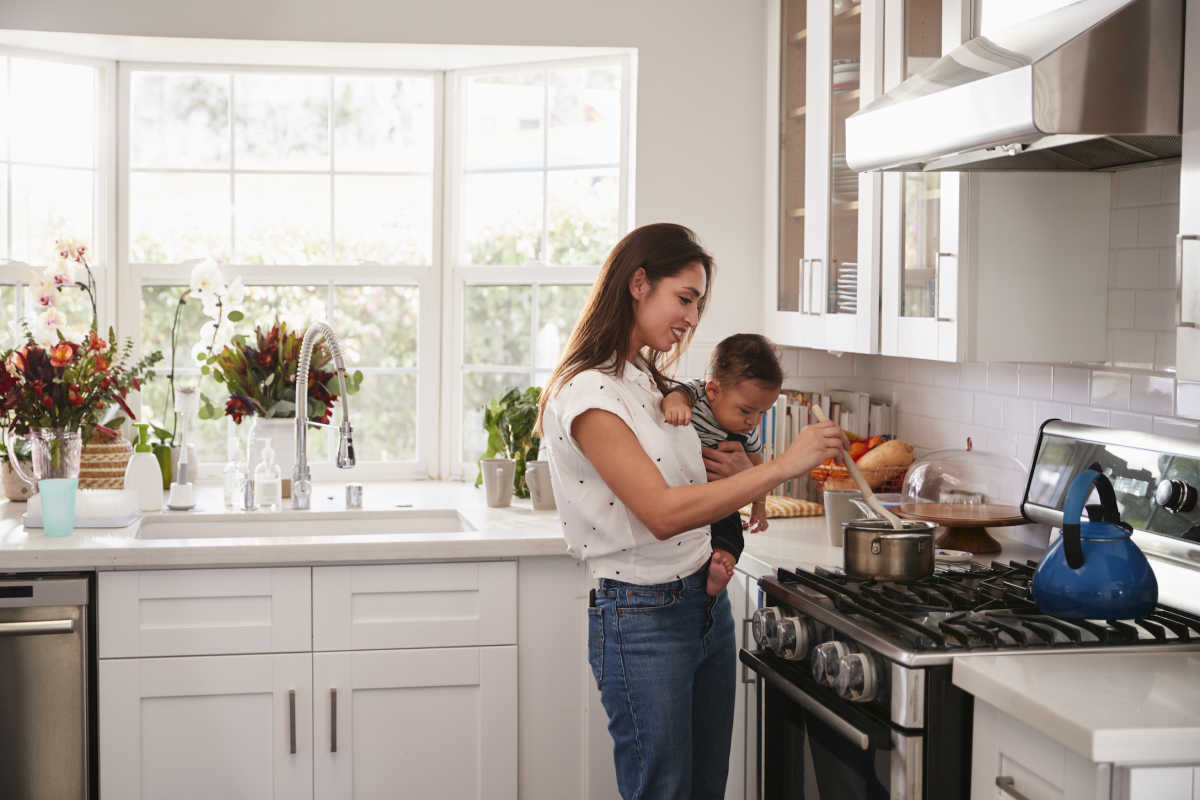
[(863, 486)]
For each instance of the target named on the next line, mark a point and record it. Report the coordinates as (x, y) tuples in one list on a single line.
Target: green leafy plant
[(509, 420)]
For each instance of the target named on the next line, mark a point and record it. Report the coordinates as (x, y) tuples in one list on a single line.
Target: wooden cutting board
[(962, 515)]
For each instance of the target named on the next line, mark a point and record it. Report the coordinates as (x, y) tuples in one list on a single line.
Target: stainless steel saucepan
[(874, 549)]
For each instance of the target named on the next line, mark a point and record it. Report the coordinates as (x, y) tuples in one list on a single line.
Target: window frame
[(426, 279), (103, 243), (458, 276)]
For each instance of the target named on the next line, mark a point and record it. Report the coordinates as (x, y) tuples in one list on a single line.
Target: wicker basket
[(881, 479), (102, 464)]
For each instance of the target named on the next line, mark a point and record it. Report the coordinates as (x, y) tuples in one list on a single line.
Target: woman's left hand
[(727, 458)]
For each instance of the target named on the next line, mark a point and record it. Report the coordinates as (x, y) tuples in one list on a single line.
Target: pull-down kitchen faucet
[(301, 475)]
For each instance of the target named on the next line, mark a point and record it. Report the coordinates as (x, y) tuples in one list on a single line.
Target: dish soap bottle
[(143, 476), (234, 474), (268, 485)]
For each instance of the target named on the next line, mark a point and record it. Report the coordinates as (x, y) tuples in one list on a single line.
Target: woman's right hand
[(813, 445)]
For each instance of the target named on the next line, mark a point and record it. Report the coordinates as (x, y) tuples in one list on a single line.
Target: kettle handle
[(1077, 495)]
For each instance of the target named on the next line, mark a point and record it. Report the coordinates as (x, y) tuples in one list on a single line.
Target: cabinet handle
[(1179, 240), (818, 310), (292, 721), (937, 287), (37, 626), (804, 286), (1008, 786), (746, 646), (333, 720)]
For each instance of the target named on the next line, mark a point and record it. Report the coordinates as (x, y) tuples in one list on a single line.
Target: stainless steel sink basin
[(303, 523)]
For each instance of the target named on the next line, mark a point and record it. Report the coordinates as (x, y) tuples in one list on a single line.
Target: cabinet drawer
[(414, 605), (204, 612)]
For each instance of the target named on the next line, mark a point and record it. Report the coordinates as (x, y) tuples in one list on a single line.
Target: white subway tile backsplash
[(1086, 415), (1164, 350), (1036, 381), (1110, 389), (1137, 187), (1019, 415), (788, 361), (1132, 422), (1165, 274), (973, 376), (944, 374), (1120, 308), (1026, 447), (819, 362), (1071, 385), (1002, 378), (948, 404), (1157, 224), (1045, 410), (1154, 310), (1131, 349), (1165, 426), (989, 410), (1123, 228), (1133, 268), (1187, 399), (1152, 394)]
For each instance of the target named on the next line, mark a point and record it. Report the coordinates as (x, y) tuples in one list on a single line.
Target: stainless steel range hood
[(1092, 85)]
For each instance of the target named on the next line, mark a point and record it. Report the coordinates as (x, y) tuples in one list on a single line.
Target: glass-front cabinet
[(920, 228), (825, 242)]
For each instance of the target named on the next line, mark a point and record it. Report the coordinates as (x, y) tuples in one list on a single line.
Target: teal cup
[(58, 505)]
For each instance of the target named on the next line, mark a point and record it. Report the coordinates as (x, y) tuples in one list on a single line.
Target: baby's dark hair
[(746, 356)]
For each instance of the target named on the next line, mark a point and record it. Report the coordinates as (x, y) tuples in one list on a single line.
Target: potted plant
[(58, 385), (509, 420), (260, 373), (15, 489)]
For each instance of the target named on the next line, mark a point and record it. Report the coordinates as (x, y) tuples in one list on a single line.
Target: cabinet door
[(418, 724), (749, 690), (203, 728), (1187, 255), (736, 784), (1155, 783), (921, 211)]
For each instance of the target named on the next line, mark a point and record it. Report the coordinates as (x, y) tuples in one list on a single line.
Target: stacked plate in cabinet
[(846, 301)]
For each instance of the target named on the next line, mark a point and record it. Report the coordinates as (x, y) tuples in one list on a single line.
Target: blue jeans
[(663, 656)]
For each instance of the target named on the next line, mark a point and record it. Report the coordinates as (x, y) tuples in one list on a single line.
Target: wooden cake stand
[(966, 525)]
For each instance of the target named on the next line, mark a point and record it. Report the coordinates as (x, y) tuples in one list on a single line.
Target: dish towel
[(788, 507)]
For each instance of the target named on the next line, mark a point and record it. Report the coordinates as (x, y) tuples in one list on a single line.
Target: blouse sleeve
[(587, 390)]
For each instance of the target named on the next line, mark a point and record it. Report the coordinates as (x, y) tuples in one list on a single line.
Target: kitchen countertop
[(511, 532), (1123, 708)]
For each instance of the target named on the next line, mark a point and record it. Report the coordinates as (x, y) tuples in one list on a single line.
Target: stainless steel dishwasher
[(45, 731)]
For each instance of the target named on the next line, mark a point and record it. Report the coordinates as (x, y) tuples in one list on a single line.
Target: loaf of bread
[(894, 453)]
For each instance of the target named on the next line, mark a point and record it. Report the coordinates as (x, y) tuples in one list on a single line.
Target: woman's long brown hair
[(601, 336)]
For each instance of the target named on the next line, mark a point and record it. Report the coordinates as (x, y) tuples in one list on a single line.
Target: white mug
[(537, 478), (498, 480), (840, 508)]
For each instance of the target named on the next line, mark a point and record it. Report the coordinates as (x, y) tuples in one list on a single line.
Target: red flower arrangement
[(67, 384)]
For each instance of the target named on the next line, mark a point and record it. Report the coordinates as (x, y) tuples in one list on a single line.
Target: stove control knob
[(857, 678), (794, 636), (763, 626), (1175, 496), (826, 660)]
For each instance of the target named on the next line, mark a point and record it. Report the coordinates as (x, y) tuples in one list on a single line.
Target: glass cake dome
[(970, 476)]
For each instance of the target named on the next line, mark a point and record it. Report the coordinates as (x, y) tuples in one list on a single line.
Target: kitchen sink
[(176, 525)]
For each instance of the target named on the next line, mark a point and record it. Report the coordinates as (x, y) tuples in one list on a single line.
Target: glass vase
[(55, 454)]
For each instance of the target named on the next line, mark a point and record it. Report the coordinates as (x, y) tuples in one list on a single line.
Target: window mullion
[(545, 259), (232, 168)]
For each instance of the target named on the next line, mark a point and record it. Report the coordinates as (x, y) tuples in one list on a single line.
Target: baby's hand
[(677, 409), (758, 518)]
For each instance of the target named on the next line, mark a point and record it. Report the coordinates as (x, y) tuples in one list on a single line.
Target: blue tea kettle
[(1094, 570)]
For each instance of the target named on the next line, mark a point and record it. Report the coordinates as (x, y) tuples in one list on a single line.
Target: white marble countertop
[(1123, 708), (499, 533)]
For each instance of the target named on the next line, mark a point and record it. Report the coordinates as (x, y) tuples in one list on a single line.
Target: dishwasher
[(46, 734)]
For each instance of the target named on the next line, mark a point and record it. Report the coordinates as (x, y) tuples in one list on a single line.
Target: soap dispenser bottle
[(143, 476), (268, 484)]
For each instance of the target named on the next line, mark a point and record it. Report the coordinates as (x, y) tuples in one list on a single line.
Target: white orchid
[(236, 293), (206, 279), (62, 272), (46, 328), (70, 249), (43, 289), (216, 333)]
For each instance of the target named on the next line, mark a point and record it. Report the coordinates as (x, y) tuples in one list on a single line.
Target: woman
[(636, 507)]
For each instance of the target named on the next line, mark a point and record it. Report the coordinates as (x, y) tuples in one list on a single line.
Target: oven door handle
[(847, 730)]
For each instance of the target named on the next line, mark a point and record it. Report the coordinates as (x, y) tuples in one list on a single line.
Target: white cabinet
[(202, 728), (434, 713), (438, 723), (986, 266), (822, 247), (1187, 248), (1156, 783), (743, 760)]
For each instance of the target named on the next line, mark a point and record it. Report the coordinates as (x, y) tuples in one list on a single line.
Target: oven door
[(819, 746)]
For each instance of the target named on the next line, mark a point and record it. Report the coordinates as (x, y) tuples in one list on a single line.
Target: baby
[(746, 378)]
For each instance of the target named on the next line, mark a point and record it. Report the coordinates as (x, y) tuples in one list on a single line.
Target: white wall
[(700, 101)]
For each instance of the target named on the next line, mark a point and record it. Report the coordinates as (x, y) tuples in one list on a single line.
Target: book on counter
[(854, 412)]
